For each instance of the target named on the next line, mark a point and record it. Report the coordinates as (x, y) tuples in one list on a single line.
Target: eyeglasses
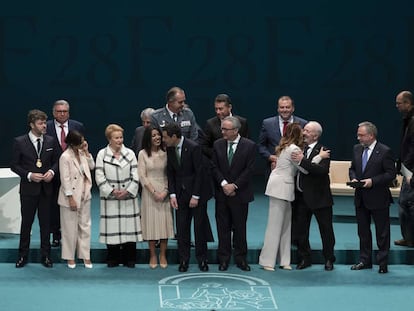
[(61, 111), (225, 130)]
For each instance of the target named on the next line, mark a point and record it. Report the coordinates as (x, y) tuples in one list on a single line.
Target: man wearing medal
[(35, 159)]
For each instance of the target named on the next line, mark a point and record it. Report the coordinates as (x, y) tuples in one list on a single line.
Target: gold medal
[(39, 163)]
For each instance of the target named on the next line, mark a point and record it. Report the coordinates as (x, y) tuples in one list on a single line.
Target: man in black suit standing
[(189, 192), (373, 166), (233, 165), (136, 143), (313, 197), (35, 159), (58, 128), (212, 131)]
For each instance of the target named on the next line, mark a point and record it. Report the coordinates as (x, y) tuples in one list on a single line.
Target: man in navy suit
[(373, 165), (272, 129), (35, 159), (189, 192), (233, 166), (58, 128), (212, 130)]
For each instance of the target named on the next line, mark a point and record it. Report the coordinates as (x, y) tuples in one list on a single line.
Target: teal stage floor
[(37, 288)]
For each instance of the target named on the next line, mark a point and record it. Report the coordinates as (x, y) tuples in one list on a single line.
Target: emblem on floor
[(215, 291)]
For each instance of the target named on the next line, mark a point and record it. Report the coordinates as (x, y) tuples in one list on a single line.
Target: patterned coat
[(120, 220)]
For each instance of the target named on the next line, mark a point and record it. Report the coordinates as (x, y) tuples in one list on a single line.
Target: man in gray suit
[(176, 112)]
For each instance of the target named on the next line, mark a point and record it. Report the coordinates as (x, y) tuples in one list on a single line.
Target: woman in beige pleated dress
[(156, 216)]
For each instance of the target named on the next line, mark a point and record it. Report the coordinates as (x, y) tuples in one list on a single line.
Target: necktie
[(305, 151), (285, 123), (364, 158), (231, 152), (177, 153), (175, 117), (38, 146), (62, 137)]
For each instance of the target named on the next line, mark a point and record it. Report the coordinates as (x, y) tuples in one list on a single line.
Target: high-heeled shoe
[(71, 264), (268, 268), (153, 263), (163, 262), (88, 264)]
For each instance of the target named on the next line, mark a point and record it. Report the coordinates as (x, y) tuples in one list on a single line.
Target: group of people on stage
[(173, 164)]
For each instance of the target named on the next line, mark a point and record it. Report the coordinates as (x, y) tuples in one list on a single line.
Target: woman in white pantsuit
[(75, 165), (281, 191)]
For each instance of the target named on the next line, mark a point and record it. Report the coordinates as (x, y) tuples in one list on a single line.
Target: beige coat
[(72, 177)]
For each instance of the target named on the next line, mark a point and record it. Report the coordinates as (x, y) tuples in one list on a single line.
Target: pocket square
[(49, 149)]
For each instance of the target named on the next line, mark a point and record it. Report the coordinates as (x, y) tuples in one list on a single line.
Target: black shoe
[(361, 266), (183, 266), (55, 243), (112, 264), (223, 266), (403, 242), (329, 265), (130, 264), (383, 269), (243, 266), (303, 265), (203, 266), (47, 262), (21, 262)]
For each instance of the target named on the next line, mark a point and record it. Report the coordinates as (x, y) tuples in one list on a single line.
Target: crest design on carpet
[(215, 291)]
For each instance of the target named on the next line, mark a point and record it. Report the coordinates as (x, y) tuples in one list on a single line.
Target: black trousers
[(303, 221), (29, 205), (381, 219), (231, 214), (202, 230), (55, 213), (121, 253)]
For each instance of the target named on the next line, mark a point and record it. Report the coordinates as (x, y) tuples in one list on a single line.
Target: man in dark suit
[(189, 192), (233, 165), (136, 143), (35, 159), (373, 166), (58, 128), (273, 127), (212, 131), (313, 197), (405, 105)]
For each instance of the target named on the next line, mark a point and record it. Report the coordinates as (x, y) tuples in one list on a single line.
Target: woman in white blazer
[(281, 191), (75, 165)]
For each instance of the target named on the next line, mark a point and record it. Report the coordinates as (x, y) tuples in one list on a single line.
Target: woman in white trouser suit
[(281, 191), (74, 199)]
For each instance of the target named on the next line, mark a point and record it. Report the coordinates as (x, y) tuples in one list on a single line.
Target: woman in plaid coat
[(117, 178)]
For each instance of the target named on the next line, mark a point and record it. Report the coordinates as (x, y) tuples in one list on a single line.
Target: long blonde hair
[(293, 135)]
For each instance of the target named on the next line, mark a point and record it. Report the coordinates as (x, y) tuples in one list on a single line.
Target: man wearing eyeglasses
[(233, 165), (58, 128)]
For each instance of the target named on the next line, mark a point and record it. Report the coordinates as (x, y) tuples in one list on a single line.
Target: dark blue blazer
[(73, 125), (188, 177), (270, 135), (24, 159), (381, 169), (240, 172)]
